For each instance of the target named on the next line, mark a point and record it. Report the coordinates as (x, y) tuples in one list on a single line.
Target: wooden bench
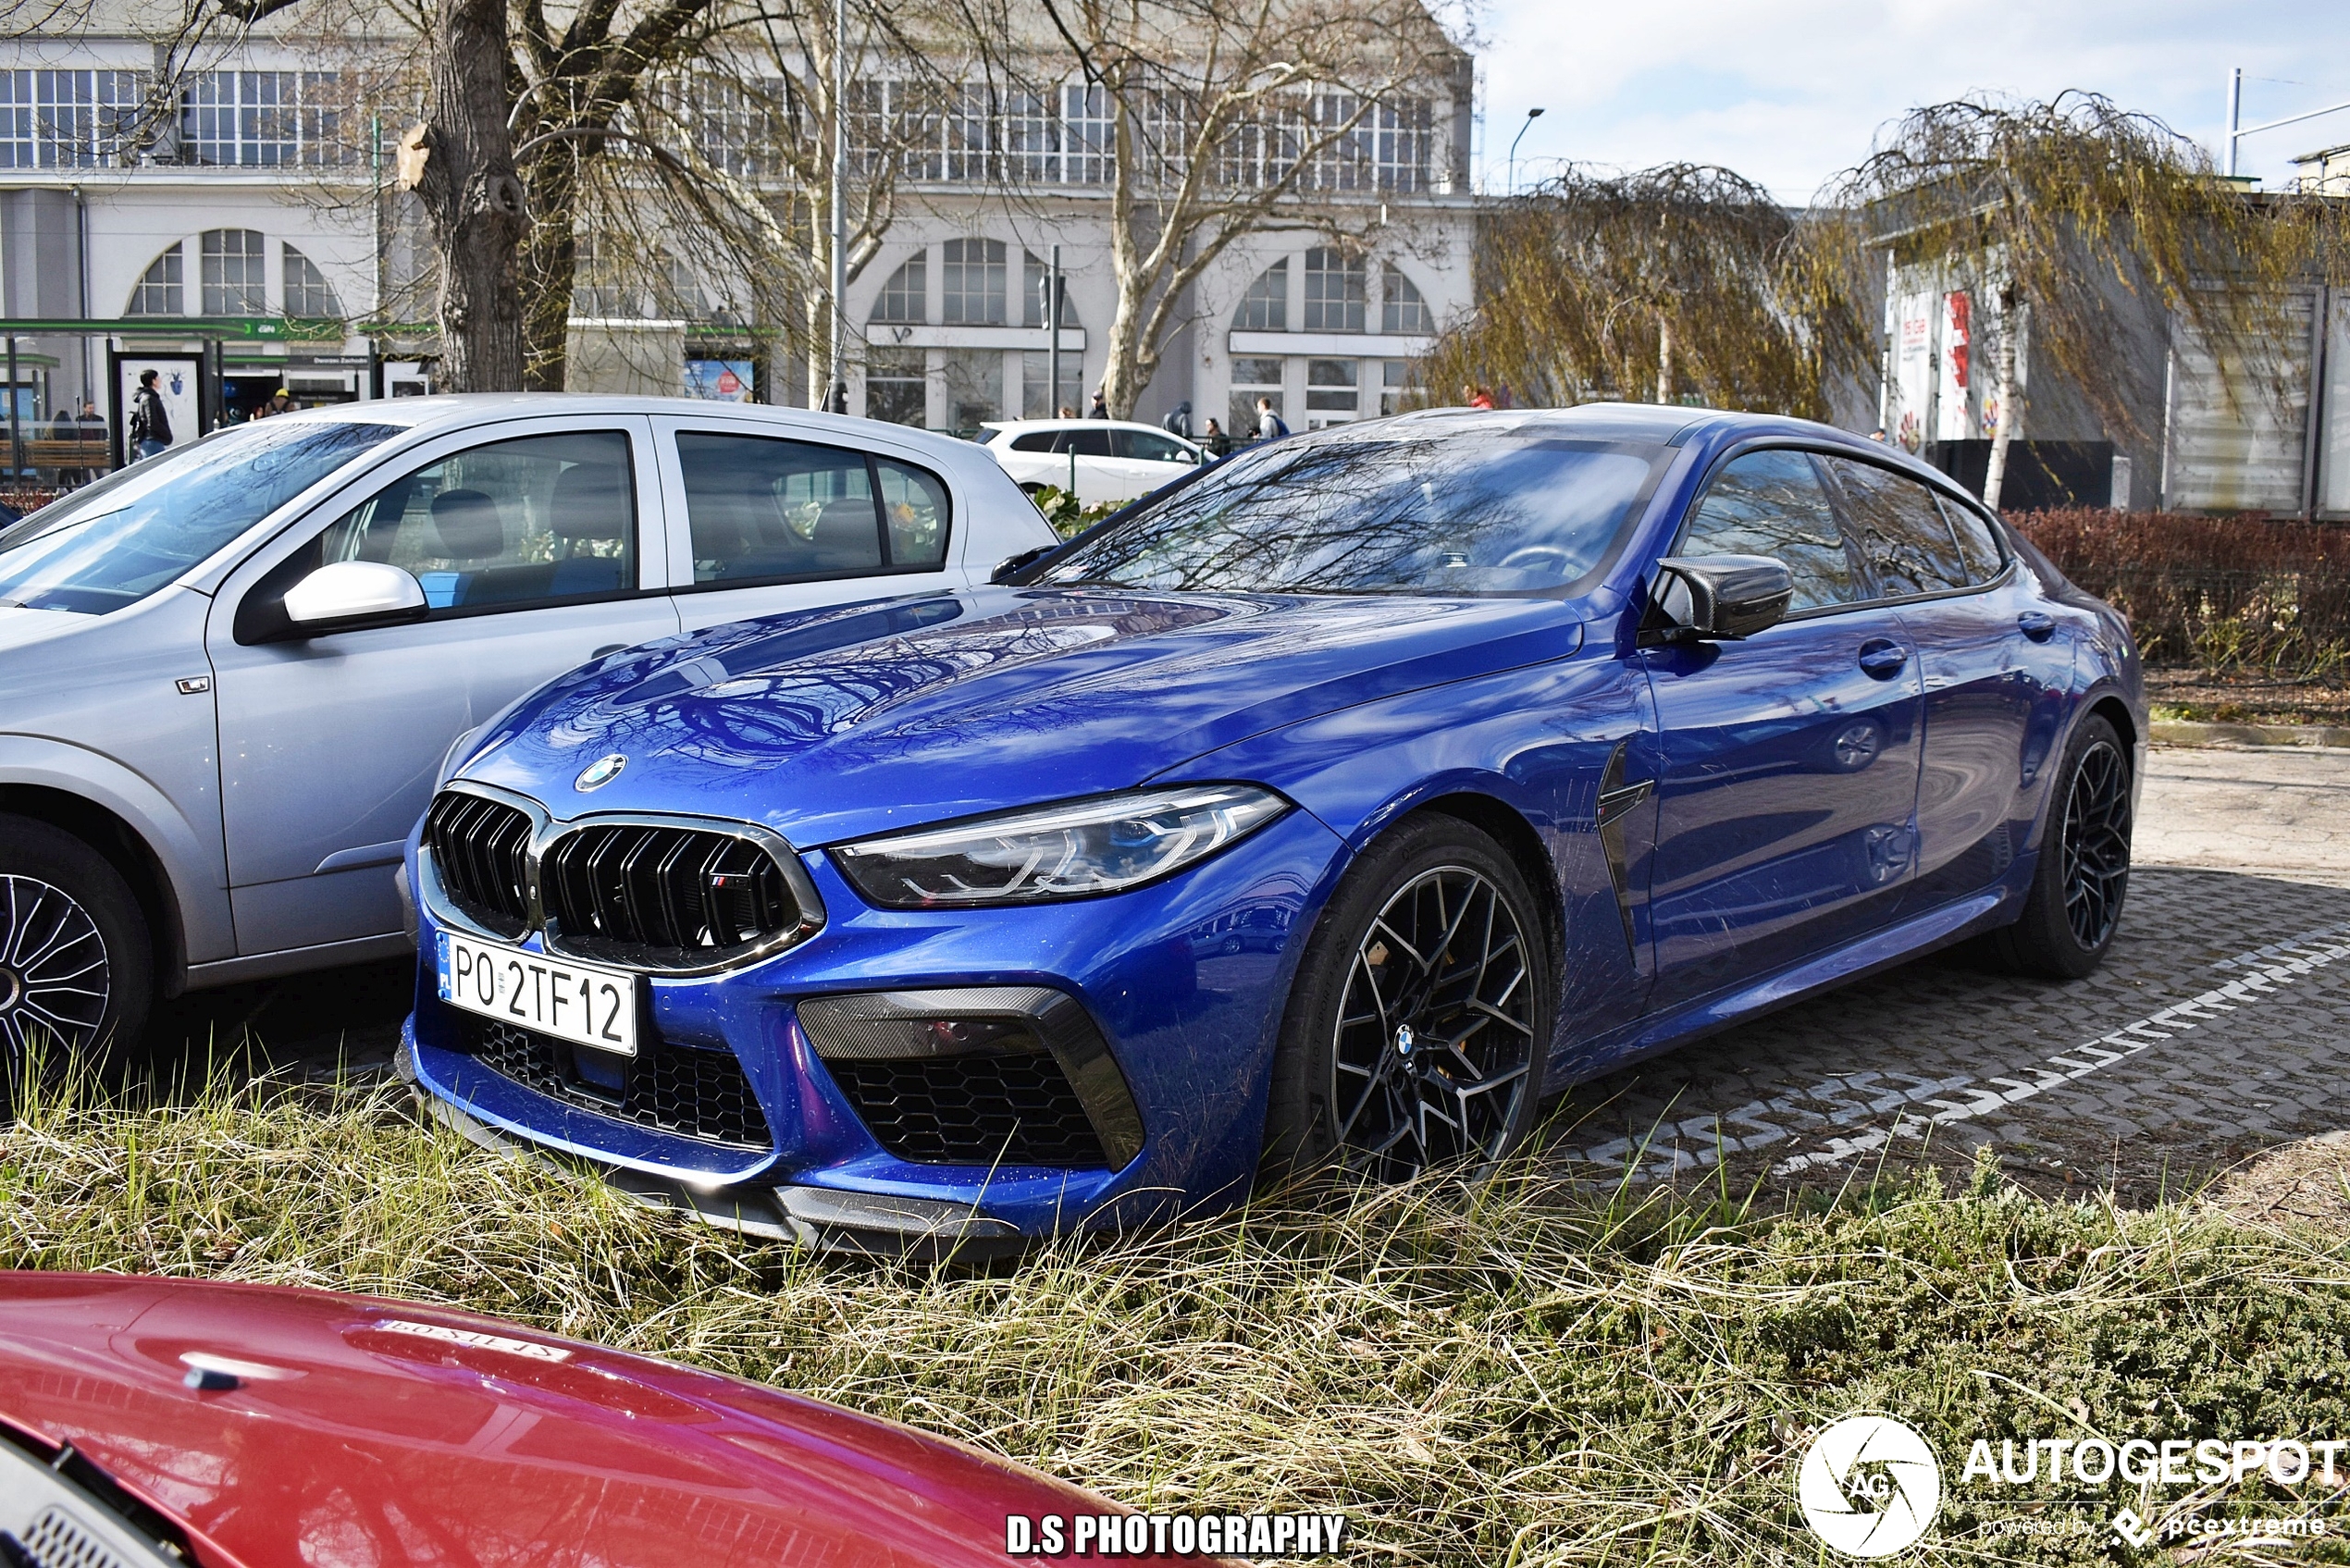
[(39, 452)]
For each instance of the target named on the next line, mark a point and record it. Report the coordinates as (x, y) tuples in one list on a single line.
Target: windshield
[(1484, 514), (120, 540)]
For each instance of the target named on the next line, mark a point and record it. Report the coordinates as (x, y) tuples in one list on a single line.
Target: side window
[(510, 525), (1773, 503), (759, 509), (915, 504), (1901, 532), (1033, 440), (1977, 548), (1084, 443), (1146, 447)]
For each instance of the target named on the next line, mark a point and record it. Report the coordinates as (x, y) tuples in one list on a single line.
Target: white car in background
[(1111, 459)]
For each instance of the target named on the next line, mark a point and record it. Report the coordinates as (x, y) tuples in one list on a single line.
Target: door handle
[(1884, 660), (2036, 626)]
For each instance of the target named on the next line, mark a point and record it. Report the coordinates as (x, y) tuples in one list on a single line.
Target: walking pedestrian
[(1269, 424), (149, 428), (1100, 409), (1478, 397), (1180, 422), (1218, 443)]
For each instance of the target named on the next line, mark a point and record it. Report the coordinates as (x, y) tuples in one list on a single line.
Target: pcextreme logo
[(1868, 1486)]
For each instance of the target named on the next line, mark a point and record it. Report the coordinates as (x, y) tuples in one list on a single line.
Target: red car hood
[(371, 1432)]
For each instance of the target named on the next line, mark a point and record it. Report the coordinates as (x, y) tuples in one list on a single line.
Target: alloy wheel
[(1435, 1032), (54, 981), (2096, 845)]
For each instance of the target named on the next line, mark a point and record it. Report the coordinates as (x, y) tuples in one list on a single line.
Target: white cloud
[(1790, 92)]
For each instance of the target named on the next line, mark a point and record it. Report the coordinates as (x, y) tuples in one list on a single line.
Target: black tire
[(2075, 903), (77, 970), (1355, 1088)]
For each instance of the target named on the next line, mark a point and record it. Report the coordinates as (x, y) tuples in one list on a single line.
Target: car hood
[(841, 723), (367, 1430)]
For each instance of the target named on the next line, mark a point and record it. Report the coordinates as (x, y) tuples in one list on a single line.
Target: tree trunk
[(1663, 359), (2003, 387), (473, 201), (550, 266)]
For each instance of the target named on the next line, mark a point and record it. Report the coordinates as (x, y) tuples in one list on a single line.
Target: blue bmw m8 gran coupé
[(1335, 805)]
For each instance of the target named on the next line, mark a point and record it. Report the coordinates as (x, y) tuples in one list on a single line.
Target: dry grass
[(1508, 1376)]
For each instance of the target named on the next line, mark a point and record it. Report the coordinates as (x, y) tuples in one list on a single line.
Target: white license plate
[(585, 1003)]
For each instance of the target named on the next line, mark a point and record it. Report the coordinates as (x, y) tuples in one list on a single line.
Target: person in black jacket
[(149, 430)]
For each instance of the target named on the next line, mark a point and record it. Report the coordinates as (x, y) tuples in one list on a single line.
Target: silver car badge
[(600, 772)]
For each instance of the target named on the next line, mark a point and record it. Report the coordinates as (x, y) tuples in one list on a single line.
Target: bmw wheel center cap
[(600, 772)]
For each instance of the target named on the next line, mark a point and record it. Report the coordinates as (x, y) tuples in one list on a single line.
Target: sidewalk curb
[(2178, 732)]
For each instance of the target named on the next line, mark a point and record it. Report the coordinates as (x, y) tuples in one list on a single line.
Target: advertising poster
[(1912, 400), (719, 380), (174, 379), (1956, 400)]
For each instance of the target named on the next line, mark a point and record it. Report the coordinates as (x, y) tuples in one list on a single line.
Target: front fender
[(189, 853)]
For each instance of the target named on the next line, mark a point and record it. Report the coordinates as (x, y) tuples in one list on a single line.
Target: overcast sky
[(1788, 91)]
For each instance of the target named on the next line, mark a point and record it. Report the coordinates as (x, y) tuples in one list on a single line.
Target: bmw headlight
[(1074, 850)]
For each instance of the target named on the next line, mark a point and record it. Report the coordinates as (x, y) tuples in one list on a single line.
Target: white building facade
[(237, 229)]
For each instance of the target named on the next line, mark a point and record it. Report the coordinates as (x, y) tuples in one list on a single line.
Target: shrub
[(2225, 593)]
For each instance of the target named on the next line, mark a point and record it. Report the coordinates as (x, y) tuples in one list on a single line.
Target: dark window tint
[(1035, 441), (1084, 443), (1977, 549), (1773, 503), (507, 526), (1427, 515), (1147, 447), (915, 503), (759, 509), (1900, 530)]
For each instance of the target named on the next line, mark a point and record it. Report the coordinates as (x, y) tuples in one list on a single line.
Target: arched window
[(1032, 274), (1401, 307), (308, 295), (160, 291), (1336, 285), (233, 284), (972, 282), (902, 298), (1265, 308)]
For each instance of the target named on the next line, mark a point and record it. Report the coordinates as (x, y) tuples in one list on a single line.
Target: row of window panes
[(68, 118), (265, 119), (974, 276), (1337, 297), (972, 133), (1332, 386), (232, 261)]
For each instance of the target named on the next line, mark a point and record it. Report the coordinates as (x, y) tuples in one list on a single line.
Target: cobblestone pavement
[(2216, 1028)]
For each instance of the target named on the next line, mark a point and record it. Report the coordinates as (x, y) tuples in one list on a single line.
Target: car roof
[(1021, 426), (460, 409)]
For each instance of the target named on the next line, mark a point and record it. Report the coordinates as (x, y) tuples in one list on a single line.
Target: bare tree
[(1641, 286), (2054, 211), (1215, 120)]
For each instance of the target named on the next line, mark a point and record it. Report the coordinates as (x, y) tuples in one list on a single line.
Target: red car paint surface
[(365, 1433)]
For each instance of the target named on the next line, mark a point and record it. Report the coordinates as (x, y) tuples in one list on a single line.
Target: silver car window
[(120, 540), (508, 526)]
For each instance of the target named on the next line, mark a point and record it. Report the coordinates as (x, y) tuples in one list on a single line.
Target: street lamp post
[(1531, 116), (836, 395)]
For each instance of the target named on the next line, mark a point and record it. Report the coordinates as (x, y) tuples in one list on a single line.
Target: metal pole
[(1531, 116), (836, 395), (2236, 115), (1053, 325), (15, 418)]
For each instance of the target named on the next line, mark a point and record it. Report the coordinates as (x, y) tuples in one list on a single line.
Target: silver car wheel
[(54, 979)]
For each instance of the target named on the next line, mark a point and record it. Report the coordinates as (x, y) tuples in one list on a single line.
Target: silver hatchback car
[(228, 674)]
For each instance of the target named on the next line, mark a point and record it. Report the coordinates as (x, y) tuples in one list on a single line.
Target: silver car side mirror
[(345, 596)]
